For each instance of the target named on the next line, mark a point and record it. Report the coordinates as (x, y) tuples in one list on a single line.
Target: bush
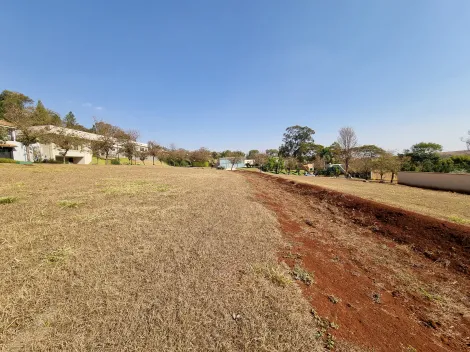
[(201, 164), (7, 161), (115, 162)]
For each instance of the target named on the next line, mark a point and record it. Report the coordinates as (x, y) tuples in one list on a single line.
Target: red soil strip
[(437, 239), (382, 319)]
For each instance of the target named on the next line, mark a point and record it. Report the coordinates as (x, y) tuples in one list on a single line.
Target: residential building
[(80, 154), (226, 163)]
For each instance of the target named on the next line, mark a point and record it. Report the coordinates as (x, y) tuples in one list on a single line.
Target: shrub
[(201, 164), (115, 162), (7, 200), (7, 161)]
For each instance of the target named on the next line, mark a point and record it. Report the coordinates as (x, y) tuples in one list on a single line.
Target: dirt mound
[(436, 239)]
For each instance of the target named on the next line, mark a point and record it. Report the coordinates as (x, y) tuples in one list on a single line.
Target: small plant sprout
[(301, 274), (334, 299)]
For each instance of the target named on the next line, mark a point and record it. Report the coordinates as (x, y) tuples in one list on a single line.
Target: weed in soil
[(301, 274)]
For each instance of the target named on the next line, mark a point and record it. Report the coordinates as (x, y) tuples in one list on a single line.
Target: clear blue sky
[(233, 74)]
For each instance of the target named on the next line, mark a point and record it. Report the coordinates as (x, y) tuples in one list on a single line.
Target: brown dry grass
[(142, 258), (442, 205)]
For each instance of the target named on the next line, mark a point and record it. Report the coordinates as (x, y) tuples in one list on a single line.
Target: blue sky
[(233, 74)]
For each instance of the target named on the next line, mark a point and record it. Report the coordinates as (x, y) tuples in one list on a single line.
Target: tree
[(382, 164), (129, 150), (70, 121), (395, 165), (3, 134), (200, 156), (297, 142), (13, 102), (252, 154), (424, 156), (272, 152), (22, 118), (107, 137), (95, 147), (261, 159), (154, 150), (41, 114), (365, 155), (347, 141), (235, 158), (466, 140), (142, 155), (62, 139), (291, 164)]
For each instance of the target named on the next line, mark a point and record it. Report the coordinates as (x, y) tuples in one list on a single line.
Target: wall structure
[(436, 180)]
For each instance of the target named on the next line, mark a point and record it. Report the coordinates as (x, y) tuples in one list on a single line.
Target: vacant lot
[(108, 258), (142, 258), (443, 205)]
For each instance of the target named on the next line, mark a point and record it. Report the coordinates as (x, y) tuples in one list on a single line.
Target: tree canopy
[(297, 142)]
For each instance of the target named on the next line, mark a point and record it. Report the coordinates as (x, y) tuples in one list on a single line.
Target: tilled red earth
[(387, 279)]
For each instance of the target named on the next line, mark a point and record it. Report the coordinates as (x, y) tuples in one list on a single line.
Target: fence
[(434, 180)]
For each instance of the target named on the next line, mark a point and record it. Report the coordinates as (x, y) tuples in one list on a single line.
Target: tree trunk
[(27, 153), (393, 176), (153, 160), (65, 153)]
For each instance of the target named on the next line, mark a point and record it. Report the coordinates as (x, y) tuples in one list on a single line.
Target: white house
[(39, 151)]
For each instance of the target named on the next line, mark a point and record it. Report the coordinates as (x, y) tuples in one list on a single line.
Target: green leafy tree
[(11, 102), (41, 114), (272, 152), (297, 142), (129, 146), (3, 134), (252, 154), (291, 164), (69, 120)]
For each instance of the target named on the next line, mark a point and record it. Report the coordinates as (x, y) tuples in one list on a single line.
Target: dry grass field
[(135, 258), (149, 258), (443, 205)]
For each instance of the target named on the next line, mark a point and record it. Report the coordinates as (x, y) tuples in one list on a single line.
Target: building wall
[(227, 165), (434, 180)]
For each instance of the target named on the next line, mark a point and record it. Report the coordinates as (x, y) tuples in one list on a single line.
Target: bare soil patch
[(448, 206), (389, 279)]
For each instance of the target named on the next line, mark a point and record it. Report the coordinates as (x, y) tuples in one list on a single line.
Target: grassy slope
[(442, 205), (142, 258)]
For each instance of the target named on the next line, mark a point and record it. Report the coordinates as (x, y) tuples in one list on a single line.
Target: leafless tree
[(347, 140), (466, 140)]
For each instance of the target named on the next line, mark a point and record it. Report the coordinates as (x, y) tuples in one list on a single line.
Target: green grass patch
[(69, 204), (7, 200), (459, 220)]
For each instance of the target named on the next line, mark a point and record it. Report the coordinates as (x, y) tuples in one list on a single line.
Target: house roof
[(7, 145), (5, 123)]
